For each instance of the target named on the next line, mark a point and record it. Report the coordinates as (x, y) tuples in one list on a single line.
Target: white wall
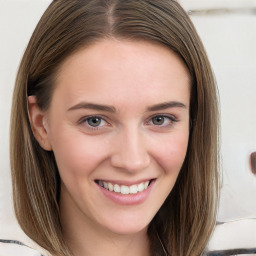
[(230, 41), (17, 22), (231, 44)]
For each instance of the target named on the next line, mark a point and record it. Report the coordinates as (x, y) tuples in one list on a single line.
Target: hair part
[(186, 220)]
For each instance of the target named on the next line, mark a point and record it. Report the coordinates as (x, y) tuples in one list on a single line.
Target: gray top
[(15, 248)]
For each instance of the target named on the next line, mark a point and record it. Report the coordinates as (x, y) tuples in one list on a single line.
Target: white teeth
[(117, 188), (110, 187), (125, 190), (141, 187), (133, 189)]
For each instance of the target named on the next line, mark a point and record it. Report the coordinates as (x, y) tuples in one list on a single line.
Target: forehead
[(114, 68)]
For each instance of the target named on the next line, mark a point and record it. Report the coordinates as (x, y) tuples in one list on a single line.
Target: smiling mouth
[(123, 189)]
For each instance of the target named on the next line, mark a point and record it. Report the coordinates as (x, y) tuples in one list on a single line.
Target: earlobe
[(37, 119)]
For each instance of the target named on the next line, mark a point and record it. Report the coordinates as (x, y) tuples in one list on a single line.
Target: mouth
[(124, 189)]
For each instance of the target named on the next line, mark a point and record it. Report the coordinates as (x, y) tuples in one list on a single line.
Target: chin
[(128, 226), (128, 230)]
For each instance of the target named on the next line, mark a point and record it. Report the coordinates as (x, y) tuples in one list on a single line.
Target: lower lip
[(131, 199)]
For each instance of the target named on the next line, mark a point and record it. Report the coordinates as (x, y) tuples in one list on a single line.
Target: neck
[(86, 238), (88, 244)]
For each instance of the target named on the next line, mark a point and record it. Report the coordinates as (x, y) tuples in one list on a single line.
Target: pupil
[(94, 121), (158, 120)]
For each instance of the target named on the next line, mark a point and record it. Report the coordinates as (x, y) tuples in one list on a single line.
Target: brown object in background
[(253, 162)]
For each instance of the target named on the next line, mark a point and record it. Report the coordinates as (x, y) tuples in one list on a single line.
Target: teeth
[(125, 190), (146, 184), (110, 187), (133, 189), (117, 188), (141, 187)]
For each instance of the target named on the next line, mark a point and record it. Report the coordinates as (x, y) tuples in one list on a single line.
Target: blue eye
[(95, 121), (161, 120)]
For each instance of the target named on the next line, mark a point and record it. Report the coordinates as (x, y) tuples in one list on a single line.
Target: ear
[(37, 119)]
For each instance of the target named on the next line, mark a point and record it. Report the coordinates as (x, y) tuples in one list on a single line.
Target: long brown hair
[(186, 220)]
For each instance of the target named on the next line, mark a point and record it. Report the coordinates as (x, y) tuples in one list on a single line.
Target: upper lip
[(125, 182)]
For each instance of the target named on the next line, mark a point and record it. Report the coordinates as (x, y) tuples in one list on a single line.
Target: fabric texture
[(16, 248)]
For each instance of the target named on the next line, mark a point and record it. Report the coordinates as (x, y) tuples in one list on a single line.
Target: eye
[(95, 121), (158, 120), (162, 120)]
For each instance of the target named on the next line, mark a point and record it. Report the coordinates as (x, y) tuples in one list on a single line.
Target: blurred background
[(228, 31)]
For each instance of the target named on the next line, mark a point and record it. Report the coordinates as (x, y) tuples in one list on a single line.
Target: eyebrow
[(85, 105), (166, 105), (112, 109)]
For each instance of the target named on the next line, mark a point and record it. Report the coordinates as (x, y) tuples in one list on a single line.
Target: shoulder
[(16, 248)]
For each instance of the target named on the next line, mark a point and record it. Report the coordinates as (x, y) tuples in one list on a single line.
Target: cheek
[(77, 155), (170, 154)]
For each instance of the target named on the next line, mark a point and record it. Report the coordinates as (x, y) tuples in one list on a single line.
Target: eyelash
[(171, 118), (85, 121)]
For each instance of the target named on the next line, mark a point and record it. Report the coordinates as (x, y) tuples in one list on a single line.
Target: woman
[(114, 131)]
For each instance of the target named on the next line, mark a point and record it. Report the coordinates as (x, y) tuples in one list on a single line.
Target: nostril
[(253, 162), (130, 162)]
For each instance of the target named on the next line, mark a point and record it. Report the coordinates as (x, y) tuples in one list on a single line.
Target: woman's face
[(118, 120)]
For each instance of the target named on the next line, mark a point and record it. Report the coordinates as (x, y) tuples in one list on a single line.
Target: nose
[(130, 153)]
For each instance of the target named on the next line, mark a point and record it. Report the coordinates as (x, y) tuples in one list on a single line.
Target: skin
[(127, 146)]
